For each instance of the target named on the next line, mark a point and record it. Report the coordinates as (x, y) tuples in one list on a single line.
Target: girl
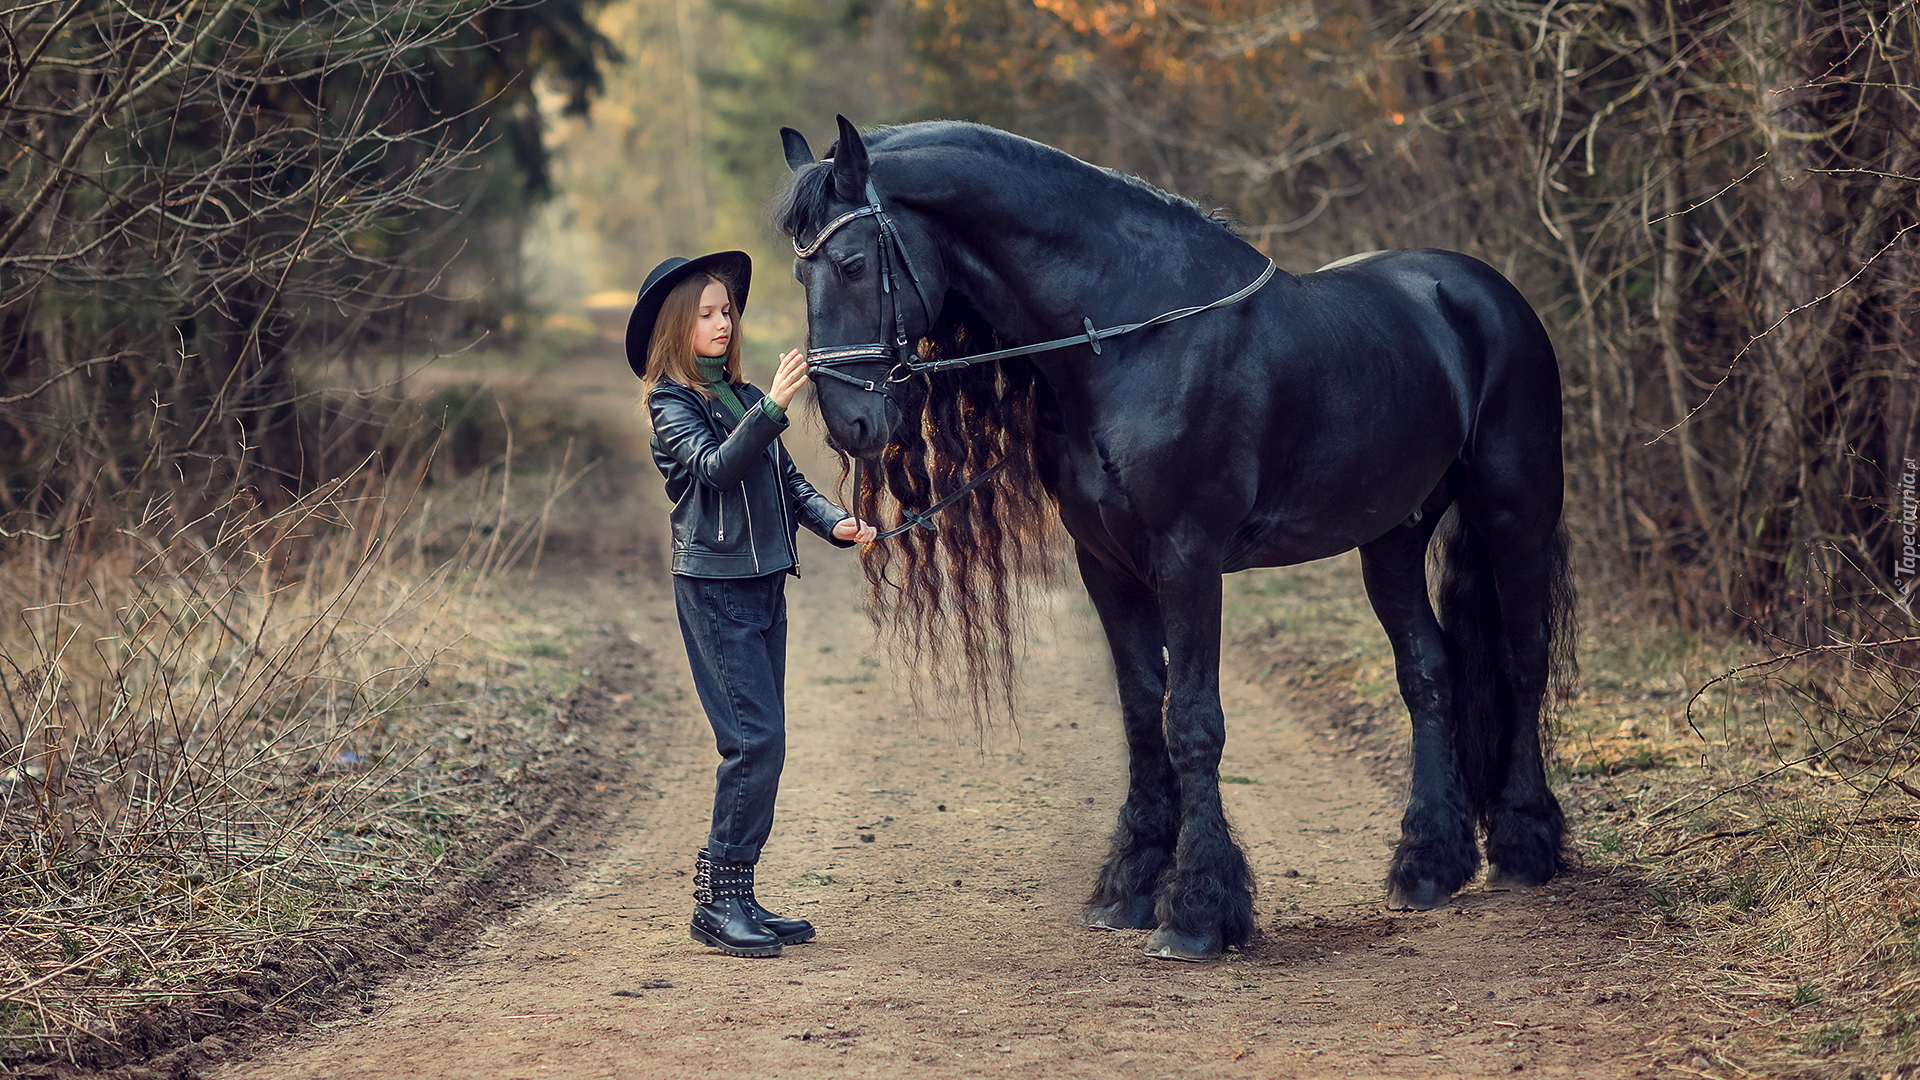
[(738, 502)]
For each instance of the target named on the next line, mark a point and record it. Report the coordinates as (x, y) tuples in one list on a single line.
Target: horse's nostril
[(859, 426)]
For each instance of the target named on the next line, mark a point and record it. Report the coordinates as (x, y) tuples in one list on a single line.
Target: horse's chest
[(1097, 475), (1103, 502)]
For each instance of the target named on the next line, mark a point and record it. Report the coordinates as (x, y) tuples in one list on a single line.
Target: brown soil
[(946, 874)]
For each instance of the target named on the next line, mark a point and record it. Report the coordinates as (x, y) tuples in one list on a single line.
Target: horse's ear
[(850, 164), (795, 144)]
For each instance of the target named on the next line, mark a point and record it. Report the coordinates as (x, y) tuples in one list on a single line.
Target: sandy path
[(946, 880)]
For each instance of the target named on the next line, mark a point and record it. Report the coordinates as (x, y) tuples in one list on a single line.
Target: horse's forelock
[(806, 204), (801, 210)]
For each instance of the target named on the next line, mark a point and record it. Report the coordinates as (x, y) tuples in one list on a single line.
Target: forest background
[(226, 229), (1709, 203)]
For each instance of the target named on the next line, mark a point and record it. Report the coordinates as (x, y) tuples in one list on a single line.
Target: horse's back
[(1475, 298), (1476, 322)]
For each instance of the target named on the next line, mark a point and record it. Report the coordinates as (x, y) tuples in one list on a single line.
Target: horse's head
[(874, 282)]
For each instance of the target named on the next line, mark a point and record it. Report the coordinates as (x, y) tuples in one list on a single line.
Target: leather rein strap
[(828, 361), (923, 519), (1093, 337)]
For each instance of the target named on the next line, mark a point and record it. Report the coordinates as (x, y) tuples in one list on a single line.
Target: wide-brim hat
[(735, 266)]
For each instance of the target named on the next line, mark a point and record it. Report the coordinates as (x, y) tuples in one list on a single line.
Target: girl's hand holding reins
[(855, 530), (786, 381)]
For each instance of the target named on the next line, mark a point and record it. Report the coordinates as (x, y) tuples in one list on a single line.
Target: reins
[(828, 361), (909, 520)]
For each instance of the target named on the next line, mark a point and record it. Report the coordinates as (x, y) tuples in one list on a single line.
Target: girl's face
[(713, 322)]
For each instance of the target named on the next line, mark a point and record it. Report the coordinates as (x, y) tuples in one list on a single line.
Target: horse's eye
[(854, 267)]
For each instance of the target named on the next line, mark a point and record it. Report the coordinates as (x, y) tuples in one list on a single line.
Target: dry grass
[(1792, 853), (218, 733), (1804, 924)]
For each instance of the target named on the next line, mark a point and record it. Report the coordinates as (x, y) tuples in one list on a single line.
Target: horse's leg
[(1525, 827), (1437, 854), (1205, 903), (1143, 840)]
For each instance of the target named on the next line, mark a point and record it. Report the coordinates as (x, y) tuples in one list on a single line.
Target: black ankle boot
[(731, 878), (789, 931), (721, 917)]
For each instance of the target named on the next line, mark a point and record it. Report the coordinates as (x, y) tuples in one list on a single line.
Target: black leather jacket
[(738, 500)]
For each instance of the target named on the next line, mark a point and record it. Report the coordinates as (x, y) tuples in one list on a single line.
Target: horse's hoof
[(1134, 914), (1168, 944), (1499, 877), (1423, 895)]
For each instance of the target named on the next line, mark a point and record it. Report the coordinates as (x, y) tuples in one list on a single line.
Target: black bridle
[(828, 361), (905, 359)]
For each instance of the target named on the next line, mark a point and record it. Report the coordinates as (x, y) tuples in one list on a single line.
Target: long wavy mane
[(953, 604)]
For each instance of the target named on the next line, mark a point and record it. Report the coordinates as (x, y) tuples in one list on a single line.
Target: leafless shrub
[(1785, 847), (218, 732)]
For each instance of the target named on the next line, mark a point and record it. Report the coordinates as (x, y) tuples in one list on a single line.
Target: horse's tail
[(1490, 699)]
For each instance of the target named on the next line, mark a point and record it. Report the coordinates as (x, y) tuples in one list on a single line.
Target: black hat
[(735, 266)]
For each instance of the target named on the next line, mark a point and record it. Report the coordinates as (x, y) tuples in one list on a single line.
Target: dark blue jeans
[(736, 634)]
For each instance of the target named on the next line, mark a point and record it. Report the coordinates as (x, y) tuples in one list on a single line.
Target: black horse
[(1290, 418)]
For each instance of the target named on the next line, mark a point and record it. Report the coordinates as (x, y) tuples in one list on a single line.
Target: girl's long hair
[(670, 355)]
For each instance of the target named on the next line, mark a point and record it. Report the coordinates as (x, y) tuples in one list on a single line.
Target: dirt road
[(946, 878)]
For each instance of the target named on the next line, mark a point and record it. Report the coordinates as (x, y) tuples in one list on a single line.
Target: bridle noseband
[(906, 362)]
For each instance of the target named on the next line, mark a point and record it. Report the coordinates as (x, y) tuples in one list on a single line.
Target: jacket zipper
[(723, 503), (751, 546)]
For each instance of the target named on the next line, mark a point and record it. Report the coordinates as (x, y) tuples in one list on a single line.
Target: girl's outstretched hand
[(787, 380), (855, 530)]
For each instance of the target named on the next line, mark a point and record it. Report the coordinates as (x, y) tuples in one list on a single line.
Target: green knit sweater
[(714, 370)]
